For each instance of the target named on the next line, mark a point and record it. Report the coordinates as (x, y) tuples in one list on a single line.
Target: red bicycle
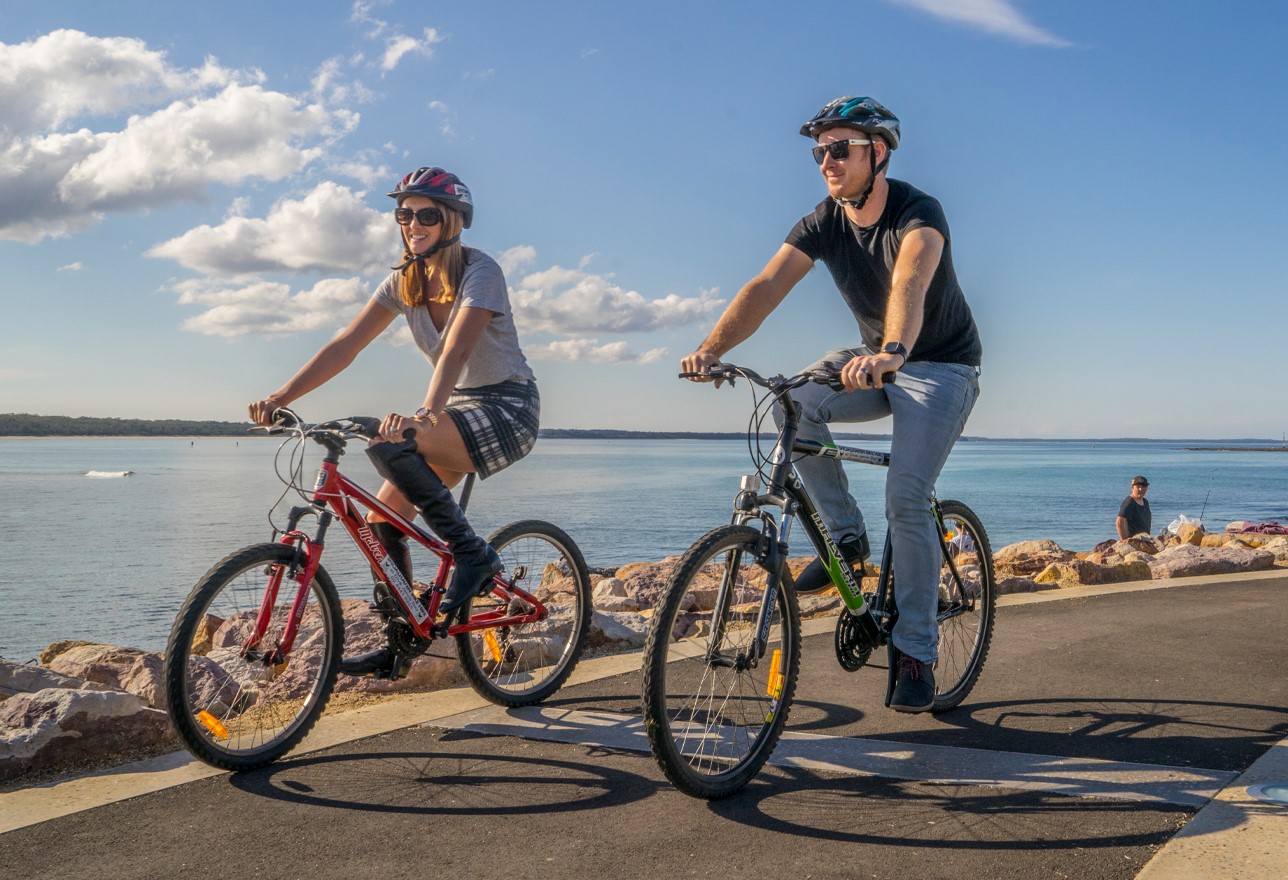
[(253, 655)]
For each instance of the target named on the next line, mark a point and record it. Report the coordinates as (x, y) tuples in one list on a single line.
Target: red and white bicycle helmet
[(439, 185)]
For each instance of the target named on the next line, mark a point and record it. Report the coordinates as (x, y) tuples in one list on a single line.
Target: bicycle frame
[(335, 496), (785, 492)]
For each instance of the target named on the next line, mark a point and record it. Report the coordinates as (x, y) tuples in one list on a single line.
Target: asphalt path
[(1098, 729)]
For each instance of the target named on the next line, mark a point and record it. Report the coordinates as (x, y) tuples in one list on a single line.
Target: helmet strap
[(873, 168)]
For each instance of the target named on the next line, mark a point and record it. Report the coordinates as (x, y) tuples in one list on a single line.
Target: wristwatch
[(424, 413), (895, 348)]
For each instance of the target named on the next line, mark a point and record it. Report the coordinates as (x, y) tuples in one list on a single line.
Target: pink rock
[(54, 727), (127, 669), (1187, 560)]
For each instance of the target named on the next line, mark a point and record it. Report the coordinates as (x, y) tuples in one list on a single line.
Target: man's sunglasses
[(838, 150), (425, 216)]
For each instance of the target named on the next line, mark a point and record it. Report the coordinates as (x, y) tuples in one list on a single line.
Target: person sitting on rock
[(1134, 517)]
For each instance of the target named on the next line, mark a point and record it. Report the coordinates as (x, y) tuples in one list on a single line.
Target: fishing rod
[(1209, 494)]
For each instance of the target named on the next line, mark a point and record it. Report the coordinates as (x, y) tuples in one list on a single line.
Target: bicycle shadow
[(1213, 734), (446, 783), (919, 815)]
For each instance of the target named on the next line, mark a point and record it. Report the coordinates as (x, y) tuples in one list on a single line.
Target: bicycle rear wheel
[(967, 602), (522, 665), (713, 711), (239, 706)]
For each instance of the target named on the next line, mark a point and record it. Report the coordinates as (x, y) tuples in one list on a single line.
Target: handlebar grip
[(409, 434)]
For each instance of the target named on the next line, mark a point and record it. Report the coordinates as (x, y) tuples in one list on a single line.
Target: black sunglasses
[(425, 216), (838, 150)]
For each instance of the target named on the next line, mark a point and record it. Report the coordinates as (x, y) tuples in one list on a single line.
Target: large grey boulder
[(63, 727), (1188, 560), (124, 669), (24, 678)]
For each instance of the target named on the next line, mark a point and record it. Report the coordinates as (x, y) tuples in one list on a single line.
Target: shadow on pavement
[(446, 783), (889, 812)]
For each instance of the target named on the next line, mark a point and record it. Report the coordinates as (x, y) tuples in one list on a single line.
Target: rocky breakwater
[(85, 704), (1191, 552)]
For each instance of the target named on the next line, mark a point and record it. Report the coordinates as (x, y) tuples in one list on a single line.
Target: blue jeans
[(930, 403)]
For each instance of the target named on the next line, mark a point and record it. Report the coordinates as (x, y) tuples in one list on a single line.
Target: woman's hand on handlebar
[(394, 427), (870, 371), (261, 411)]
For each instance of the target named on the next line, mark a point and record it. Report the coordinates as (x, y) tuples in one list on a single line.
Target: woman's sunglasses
[(425, 216), (838, 150)]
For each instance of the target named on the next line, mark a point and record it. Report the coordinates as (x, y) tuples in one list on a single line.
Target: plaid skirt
[(498, 423)]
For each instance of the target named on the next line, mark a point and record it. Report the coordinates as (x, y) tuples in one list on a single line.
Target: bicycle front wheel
[(235, 700), (714, 707), (967, 600), (522, 665)]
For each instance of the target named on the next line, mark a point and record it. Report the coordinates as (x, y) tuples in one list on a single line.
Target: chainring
[(853, 647)]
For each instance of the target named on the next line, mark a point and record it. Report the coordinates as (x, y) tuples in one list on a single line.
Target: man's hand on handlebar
[(700, 362), (870, 371)]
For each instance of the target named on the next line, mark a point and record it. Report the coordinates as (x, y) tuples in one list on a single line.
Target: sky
[(192, 204)]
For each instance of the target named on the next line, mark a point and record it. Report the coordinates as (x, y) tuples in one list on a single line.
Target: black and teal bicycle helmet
[(862, 114)]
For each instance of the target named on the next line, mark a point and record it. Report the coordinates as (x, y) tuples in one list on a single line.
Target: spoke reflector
[(211, 723), (493, 646)]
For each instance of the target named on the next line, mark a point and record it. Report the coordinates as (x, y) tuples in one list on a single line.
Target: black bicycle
[(723, 651)]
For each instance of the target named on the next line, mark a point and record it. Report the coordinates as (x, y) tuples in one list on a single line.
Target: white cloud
[(187, 130), (270, 309), (361, 14), (330, 229), (399, 47), (175, 153), (66, 74), (71, 267), (570, 302), (994, 16), (515, 257), (591, 352)]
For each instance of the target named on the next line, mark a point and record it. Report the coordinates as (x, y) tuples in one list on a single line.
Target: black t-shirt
[(1138, 516), (861, 260)]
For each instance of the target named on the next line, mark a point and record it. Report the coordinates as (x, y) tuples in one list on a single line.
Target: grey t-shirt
[(497, 356)]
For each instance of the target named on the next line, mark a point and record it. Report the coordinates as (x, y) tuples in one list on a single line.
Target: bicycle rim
[(713, 712), (522, 665), (239, 708), (966, 605)]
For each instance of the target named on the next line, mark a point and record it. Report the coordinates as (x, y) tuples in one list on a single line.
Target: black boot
[(395, 544), (384, 662), (475, 562)]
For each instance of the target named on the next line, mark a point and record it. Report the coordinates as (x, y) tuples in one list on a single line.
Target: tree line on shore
[(28, 425)]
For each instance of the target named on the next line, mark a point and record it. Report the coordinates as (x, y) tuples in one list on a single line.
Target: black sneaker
[(914, 688), (814, 577), (381, 663)]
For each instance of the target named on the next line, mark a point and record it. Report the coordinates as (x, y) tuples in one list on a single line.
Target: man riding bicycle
[(888, 248)]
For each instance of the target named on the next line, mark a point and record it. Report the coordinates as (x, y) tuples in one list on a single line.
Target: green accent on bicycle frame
[(836, 570)]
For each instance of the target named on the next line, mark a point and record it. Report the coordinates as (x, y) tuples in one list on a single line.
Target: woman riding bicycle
[(481, 411)]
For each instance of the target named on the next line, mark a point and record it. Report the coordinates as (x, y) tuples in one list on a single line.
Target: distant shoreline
[(24, 426)]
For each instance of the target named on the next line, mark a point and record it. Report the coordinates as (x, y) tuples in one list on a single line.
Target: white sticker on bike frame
[(395, 577)]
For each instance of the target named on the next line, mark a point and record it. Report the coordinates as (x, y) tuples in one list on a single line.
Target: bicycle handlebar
[(285, 419), (828, 374)]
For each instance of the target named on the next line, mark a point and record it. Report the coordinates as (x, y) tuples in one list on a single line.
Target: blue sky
[(190, 204)]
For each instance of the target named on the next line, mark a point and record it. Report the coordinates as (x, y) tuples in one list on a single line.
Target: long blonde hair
[(447, 266)]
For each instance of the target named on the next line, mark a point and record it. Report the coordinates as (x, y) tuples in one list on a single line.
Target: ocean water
[(101, 539)]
